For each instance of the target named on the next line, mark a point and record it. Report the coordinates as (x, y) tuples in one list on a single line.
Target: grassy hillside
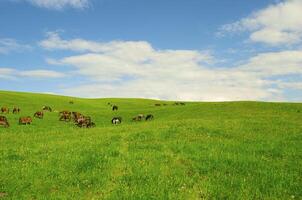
[(234, 150)]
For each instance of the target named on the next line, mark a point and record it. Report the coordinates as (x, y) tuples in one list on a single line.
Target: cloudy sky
[(207, 50)]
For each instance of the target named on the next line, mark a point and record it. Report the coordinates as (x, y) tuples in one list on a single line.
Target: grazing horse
[(5, 110), (3, 118), (157, 104), (114, 108), (25, 120), (85, 121), (116, 120), (76, 115), (65, 115), (182, 103), (71, 102), (139, 117), (16, 110), (39, 114), (149, 117), (46, 108), (4, 122)]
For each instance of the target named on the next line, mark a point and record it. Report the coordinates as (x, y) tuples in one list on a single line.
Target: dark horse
[(149, 117), (114, 108), (16, 110)]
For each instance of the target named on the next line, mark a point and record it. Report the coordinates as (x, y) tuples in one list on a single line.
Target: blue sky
[(208, 50)]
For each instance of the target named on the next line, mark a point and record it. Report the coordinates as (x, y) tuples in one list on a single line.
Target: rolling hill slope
[(230, 150)]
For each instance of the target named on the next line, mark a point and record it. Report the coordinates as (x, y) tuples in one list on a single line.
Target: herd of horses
[(79, 119)]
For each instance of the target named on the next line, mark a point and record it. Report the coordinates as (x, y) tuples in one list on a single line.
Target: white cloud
[(6, 73), (8, 45), (275, 63), (136, 69), (59, 4), (41, 74), (278, 24), (11, 73), (291, 85)]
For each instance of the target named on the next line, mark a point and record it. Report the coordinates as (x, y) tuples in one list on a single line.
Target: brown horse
[(39, 114), (3, 118), (25, 120), (85, 121), (5, 110), (65, 115), (16, 110), (4, 122), (76, 115), (157, 104)]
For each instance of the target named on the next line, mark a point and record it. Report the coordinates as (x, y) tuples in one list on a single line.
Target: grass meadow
[(202, 150)]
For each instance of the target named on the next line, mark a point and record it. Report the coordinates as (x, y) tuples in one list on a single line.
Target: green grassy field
[(233, 150)]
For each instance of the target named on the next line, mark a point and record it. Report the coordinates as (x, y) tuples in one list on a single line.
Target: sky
[(193, 50)]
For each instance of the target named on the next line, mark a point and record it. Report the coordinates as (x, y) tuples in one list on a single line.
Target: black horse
[(114, 108), (149, 117)]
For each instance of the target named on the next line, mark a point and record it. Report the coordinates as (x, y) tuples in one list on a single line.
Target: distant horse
[(114, 108), (139, 117), (4, 122), (65, 115), (71, 102), (25, 120), (46, 108), (157, 104), (16, 110), (76, 115), (149, 117), (85, 121), (116, 120), (39, 114), (3, 118), (5, 110)]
